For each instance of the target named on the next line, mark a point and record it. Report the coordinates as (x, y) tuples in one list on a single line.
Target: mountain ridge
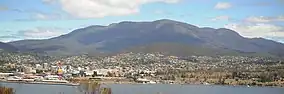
[(7, 47), (125, 35)]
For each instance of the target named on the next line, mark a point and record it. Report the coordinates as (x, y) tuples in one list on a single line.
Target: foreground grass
[(6, 90), (93, 87)]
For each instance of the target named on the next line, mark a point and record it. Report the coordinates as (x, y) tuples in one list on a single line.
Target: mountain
[(7, 47), (164, 35)]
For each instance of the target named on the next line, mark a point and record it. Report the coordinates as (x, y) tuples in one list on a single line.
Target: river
[(147, 89)]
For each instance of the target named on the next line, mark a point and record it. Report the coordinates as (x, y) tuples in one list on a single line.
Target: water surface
[(147, 89)]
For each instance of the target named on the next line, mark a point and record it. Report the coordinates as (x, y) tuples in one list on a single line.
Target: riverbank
[(227, 82), (146, 89), (44, 83), (130, 83), (75, 82)]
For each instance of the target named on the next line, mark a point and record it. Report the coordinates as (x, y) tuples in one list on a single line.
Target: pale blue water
[(148, 89)]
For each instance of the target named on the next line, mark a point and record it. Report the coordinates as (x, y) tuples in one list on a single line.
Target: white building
[(29, 70), (89, 73), (102, 72), (38, 66), (45, 65)]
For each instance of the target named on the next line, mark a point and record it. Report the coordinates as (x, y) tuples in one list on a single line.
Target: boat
[(54, 79), (248, 85), (52, 83), (14, 78), (152, 82), (28, 80), (49, 80), (143, 81), (205, 83)]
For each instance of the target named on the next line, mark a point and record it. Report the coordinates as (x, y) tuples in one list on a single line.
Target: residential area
[(148, 68)]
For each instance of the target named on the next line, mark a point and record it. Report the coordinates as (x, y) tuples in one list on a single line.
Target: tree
[(95, 74), (234, 74), (264, 77), (183, 75), (191, 76), (109, 74), (205, 79), (93, 87), (173, 77), (39, 71), (160, 72)]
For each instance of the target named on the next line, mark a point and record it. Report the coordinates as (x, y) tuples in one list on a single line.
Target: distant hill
[(7, 47), (185, 50), (164, 35)]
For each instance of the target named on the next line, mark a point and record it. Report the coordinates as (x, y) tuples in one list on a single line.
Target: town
[(144, 68)]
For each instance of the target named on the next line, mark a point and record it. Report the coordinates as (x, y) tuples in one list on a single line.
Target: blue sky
[(40, 19)]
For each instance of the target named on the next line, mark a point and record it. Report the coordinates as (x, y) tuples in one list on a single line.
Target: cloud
[(103, 8), (49, 1), (40, 33), (223, 5), (35, 16), (262, 19), (279, 39), (257, 30), (8, 38), (43, 16), (258, 19), (34, 33), (280, 18), (221, 18)]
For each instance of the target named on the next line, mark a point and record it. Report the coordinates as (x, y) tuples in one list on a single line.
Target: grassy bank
[(93, 87), (85, 87), (6, 90)]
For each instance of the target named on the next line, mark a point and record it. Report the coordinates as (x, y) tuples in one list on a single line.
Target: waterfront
[(147, 89)]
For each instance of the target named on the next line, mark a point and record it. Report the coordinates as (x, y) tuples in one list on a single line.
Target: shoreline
[(133, 83), (43, 83)]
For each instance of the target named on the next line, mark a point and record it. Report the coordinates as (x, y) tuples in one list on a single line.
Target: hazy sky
[(38, 19)]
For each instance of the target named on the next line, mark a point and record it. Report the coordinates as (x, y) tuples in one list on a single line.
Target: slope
[(126, 35)]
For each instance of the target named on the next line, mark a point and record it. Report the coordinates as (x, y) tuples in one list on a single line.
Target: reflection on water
[(147, 89)]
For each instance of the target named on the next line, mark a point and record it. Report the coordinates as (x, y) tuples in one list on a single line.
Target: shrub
[(93, 87), (6, 90)]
